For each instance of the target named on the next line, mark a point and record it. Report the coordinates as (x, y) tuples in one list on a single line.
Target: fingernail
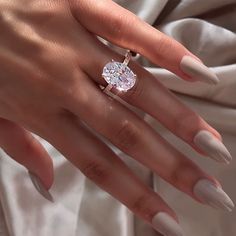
[(166, 225), (213, 147), (38, 184), (212, 195), (197, 70)]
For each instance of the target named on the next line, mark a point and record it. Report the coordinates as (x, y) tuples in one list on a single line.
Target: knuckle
[(182, 173), (185, 122), (143, 205), (116, 25), (164, 45), (127, 136), (97, 172)]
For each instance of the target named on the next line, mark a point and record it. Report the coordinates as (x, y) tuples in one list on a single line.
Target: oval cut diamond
[(119, 75)]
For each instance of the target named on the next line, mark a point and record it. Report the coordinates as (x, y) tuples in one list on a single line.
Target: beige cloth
[(208, 29)]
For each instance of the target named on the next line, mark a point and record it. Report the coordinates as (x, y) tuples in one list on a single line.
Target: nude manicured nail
[(197, 70), (166, 225), (40, 187), (213, 147), (212, 195)]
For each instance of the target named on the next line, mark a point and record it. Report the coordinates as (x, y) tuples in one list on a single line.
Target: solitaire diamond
[(119, 75)]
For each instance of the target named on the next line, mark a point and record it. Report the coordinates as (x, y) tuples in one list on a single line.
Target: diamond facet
[(119, 75)]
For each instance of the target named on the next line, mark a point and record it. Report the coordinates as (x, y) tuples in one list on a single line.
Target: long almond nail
[(212, 195), (213, 147), (197, 70), (166, 225), (40, 187)]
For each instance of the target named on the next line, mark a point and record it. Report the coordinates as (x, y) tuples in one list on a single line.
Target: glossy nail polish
[(212, 195), (40, 187), (197, 70), (213, 147), (166, 225)]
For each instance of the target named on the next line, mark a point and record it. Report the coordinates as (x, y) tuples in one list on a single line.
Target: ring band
[(118, 75)]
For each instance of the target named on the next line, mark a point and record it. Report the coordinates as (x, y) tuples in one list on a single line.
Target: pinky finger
[(21, 146)]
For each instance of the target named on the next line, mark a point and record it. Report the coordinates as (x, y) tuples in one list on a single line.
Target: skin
[(50, 70)]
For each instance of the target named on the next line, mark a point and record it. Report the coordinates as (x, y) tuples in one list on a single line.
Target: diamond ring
[(118, 75)]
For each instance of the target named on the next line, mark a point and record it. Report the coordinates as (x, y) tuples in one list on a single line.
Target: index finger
[(123, 28)]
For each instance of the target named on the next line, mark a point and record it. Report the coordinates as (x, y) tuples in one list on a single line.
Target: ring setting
[(118, 75)]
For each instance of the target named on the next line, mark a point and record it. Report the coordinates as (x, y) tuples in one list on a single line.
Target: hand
[(50, 71)]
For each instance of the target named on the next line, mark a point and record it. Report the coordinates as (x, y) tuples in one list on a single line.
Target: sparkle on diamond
[(119, 76)]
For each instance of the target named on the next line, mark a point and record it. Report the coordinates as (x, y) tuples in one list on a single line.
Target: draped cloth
[(207, 28)]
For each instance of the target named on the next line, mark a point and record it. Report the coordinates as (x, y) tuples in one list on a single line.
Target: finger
[(152, 97), (108, 171), (26, 150), (135, 137), (118, 25)]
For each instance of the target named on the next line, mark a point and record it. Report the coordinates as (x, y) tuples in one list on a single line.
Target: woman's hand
[(50, 71)]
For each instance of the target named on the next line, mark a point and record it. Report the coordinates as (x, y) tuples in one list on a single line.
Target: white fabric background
[(208, 29)]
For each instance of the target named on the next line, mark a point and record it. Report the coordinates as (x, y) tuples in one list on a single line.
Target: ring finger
[(136, 138)]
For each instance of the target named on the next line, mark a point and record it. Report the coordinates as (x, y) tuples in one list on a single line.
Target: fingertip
[(197, 70), (40, 186), (212, 146)]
